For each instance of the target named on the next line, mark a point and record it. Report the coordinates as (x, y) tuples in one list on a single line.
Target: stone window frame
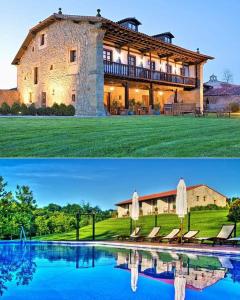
[(69, 56), (40, 46)]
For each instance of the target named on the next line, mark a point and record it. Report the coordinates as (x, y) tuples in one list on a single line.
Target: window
[(204, 198), (107, 55), (74, 98), (197, 198), (42, 40), (182, 71), (36, 75), (132, 60), (152, 65), (169, 68), (132, 26), (33, 49), (73, 56), (51, 67), (30, 97)]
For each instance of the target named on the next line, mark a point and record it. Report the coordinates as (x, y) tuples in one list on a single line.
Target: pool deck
[(195, 248)]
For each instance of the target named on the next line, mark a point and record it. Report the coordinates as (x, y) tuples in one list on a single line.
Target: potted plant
[(114, 107), (157, 108), (132, 104)]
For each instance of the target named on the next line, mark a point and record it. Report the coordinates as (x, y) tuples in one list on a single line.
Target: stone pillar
[(200, 85), (90, 83)]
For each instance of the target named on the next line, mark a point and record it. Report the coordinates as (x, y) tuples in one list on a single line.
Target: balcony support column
[(151, 96), (126, 88)]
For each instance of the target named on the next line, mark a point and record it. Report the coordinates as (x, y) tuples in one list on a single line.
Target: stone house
[(220, 94), (97, 64), (164, 202)]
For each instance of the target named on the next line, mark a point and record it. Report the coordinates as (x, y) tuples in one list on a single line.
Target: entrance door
[(44, 99), (107, 101), (132, 65)]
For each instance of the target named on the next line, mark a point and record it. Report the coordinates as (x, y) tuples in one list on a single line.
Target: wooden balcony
[(143, 74)]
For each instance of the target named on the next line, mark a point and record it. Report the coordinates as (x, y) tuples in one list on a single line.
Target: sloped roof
[(114, 31), (165, 194), (224, 90)]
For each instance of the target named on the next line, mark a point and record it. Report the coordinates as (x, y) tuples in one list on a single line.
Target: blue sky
[(105, 182), (213, 26)]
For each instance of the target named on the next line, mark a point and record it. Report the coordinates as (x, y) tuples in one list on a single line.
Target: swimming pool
[(43, 271)]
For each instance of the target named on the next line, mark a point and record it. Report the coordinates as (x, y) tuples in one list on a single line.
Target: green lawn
[(145, 136), (208, 222)]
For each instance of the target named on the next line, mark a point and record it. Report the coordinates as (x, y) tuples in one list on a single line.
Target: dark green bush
[(32, 111), (234, 211), (23, 109), (16, 108), (5, 109)]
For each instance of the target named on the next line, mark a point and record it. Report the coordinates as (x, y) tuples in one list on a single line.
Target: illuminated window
[(73, 98)]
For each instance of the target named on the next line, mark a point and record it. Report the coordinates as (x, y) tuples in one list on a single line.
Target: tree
[(227, 76), (234, 211)]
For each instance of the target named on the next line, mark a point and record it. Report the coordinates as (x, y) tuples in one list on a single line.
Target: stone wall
[(9, 96), (58, 77)]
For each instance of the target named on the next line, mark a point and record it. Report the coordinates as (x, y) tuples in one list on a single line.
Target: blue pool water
[(62, 272)]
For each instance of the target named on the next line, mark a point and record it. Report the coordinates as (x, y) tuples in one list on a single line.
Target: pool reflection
[(184, 272)]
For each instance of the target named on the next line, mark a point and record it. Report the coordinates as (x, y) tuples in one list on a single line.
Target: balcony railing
[(122, 70)]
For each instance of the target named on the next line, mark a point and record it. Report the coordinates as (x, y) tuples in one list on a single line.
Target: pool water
[(61, 272)]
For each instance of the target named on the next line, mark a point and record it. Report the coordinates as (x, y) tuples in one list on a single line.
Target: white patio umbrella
[(180, 287), (135, 207), (134, 271), (181, 202)]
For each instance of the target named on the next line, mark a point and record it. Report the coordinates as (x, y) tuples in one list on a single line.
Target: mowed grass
[(207, 222), (143, 136)]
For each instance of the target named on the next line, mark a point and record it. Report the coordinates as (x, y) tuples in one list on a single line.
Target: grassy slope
[(149, 136), (208, 222)]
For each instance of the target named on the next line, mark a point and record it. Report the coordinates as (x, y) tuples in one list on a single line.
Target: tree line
[(19, 208)]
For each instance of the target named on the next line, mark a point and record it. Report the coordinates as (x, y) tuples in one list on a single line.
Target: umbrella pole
[(181, 229)]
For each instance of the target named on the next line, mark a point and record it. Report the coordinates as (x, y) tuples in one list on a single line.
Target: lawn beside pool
[(207, 222), (129, 136)]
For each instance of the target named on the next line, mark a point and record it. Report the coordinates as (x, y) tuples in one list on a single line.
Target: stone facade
[(60, 79), (197, 196)]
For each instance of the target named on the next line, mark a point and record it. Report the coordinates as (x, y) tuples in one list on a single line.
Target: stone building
[(99, 66), (9, 96), (164, 202), (220, 94)]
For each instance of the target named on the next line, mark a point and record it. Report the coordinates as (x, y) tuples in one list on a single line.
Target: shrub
[(24, 109), (32, 111), (63, 110), (5, 109), (55, 109), (16, 108), (234, 107), (234, 211), (71, 110)]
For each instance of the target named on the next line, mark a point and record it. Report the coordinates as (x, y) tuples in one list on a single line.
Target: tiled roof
[(56, 17), (159, 195), (224, 90)]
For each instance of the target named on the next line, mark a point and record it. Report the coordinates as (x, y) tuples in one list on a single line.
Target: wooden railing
[(122, 70)]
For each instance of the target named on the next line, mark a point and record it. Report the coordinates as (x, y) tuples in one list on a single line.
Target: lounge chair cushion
[(135, 232), (225, 232), (153, 233), (190, 234), (172, 234)]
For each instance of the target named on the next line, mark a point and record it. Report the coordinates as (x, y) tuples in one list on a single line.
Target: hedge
[(18, 109)]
